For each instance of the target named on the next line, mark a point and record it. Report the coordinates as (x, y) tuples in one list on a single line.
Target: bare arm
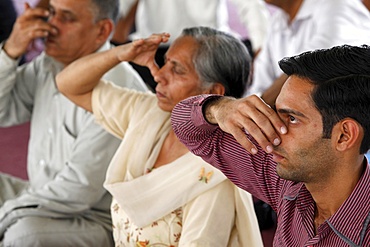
[(78, 79), (124, 26), (249, 114), (271, 93), (254, 15)]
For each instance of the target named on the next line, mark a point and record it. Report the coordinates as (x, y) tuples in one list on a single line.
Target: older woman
[(162, 194)]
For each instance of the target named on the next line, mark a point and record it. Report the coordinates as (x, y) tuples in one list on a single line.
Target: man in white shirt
[(302, 25), (64, 202)]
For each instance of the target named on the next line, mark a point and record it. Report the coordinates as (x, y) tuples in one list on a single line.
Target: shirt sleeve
[(253, 173), (116, 107), (16, 90)]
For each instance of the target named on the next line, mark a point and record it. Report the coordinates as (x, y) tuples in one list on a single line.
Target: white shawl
[(143, 139)]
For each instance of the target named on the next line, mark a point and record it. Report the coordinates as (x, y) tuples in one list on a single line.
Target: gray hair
[(106, 9), (221, 58)]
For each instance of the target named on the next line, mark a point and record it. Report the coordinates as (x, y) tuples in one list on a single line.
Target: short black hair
[(341, 76)]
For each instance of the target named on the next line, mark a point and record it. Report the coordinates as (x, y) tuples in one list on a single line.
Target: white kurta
[(68, 153)]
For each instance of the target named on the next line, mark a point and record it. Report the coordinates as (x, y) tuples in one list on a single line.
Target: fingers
[(34, 12), (263, 123), (28, 27), (250, 115), (162, 37), (26, 6), (151, 42)]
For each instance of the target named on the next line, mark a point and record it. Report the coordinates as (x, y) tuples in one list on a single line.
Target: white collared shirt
[(318, 24)]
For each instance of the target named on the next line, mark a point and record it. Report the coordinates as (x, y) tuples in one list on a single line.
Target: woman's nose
[(159, 76)]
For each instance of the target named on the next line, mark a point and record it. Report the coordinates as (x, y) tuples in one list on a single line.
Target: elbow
[(61, 84)]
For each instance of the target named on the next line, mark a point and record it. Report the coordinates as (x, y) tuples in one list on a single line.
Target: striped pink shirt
[(293, 203)]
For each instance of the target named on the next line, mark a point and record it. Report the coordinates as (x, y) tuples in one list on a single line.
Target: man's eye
[(67, 18), (51, 12), (292, 119)]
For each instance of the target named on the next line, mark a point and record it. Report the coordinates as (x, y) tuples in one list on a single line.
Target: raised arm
[(78, 79), (197, 122)]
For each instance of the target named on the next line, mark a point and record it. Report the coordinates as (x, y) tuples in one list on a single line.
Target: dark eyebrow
[(289, 111)]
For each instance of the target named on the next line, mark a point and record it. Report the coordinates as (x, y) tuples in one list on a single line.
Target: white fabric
[(318, 24), (208, 216), (68, 153), (154, 189), (153, 16)]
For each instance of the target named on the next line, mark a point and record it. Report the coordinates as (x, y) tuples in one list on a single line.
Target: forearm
[(124, 26), (254, 15), (84, 74), (78, 79), (221, 150), (212, 106), (271, 93)]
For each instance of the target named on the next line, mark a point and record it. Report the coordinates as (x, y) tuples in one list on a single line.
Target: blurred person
[(303, 25), (366, 3), (64, 202), (7, 18)]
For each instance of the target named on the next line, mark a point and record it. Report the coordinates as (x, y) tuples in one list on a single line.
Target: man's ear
[(218, 88), (106, 27), (349, 134)]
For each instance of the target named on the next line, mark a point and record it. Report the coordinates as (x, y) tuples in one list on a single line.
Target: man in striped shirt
[(305, 157)]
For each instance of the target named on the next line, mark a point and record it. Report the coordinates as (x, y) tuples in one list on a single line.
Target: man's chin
[(52, 51), (281, 172)]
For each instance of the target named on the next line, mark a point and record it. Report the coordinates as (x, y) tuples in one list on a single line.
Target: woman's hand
[(142, 51)]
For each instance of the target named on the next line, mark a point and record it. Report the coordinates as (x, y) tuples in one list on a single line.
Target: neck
[(367, 4), (331, 194), (291, 7), (171, 150)]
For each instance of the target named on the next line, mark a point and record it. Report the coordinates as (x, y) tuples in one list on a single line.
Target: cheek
[(292, 141)]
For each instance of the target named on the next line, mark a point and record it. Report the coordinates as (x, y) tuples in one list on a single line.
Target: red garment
[(293, 203)]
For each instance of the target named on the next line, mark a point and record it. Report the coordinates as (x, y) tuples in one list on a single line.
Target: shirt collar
[(306, 10), (350, 217)]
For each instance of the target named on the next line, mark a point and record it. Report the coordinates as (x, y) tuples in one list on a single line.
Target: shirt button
[(50, 130), (42, 163)]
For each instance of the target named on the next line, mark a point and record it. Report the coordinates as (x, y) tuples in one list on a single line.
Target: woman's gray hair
[(221, 58)]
